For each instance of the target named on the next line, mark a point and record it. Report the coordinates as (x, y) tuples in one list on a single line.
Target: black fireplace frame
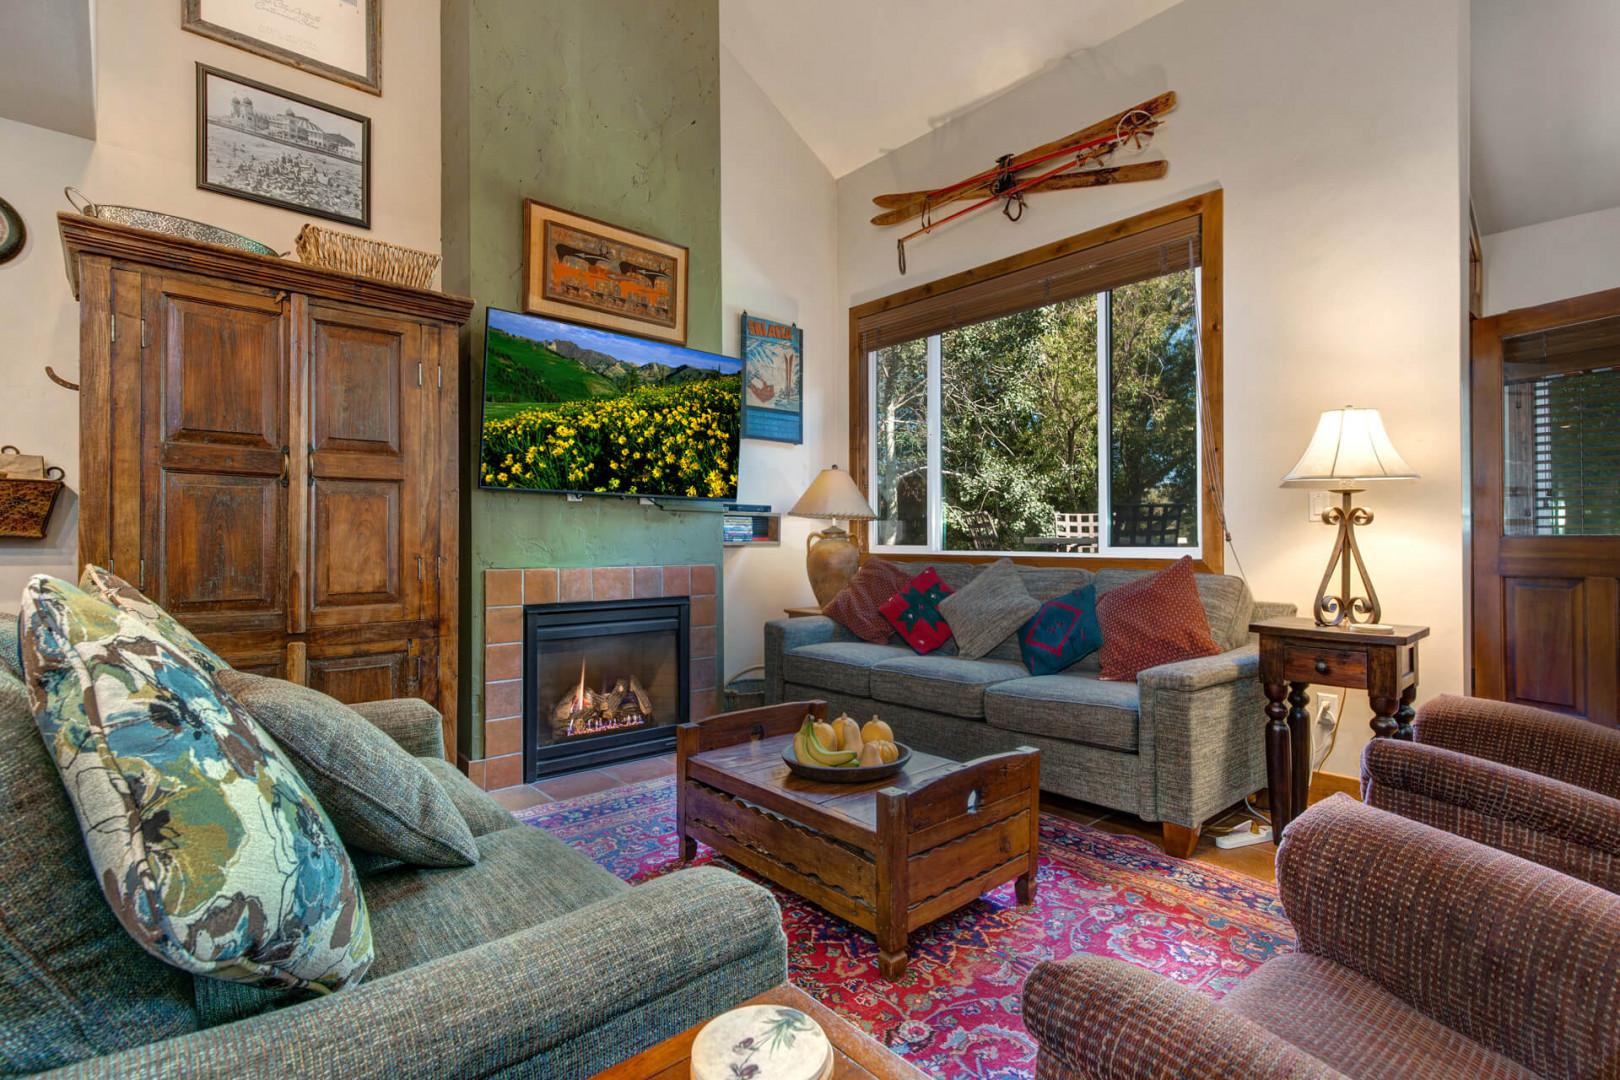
[(601, 618)]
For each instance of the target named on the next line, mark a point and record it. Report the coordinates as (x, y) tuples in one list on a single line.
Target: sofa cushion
[(988, 609), (1075, 708), (10, 654), (482, 814), (1351, 1023), (112, 589), (1154, 620), (1227, 602), (73, 983), (841, 666), (856, 605), (945, 684), (1063, 632), (380, 798), (1042, 582), (206, 841), (914, 612)]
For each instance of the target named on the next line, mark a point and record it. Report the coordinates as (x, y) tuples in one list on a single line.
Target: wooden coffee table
[(889, 856), (857, 1056)]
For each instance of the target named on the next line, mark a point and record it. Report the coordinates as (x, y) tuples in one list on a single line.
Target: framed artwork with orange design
[(591, 272)]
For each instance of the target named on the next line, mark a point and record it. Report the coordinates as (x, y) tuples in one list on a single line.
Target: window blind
[(1112, 264)]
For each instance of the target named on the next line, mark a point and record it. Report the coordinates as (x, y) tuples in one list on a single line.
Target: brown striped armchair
[(1421, 954), (1535, 783)]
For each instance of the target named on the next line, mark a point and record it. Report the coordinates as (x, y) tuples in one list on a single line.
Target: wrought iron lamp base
[(1344, 607)]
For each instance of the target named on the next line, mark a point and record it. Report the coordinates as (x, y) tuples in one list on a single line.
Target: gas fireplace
[(603, 681)]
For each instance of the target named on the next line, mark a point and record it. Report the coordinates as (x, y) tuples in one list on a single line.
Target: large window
[(1056, 409)]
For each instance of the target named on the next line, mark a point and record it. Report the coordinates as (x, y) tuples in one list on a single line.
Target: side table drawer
[(1319, 664)]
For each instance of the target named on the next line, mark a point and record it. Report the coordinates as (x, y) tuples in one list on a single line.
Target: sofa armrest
[(1201, 724), (1505, 952), (783, 636), (1104, 1019), (411, 722), (504, 1003), (1565, 748), (1546, 821)]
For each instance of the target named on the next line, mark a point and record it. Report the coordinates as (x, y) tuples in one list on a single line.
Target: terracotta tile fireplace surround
[(507, 591)]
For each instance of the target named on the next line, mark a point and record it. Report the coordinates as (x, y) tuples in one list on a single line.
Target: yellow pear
[(872, 754), (849, 733), (826, 735), (875, 730)]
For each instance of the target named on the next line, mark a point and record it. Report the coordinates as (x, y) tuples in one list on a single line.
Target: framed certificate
[(337, 39)]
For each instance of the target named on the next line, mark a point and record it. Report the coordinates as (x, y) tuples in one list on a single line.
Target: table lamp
[(831, 557), (1350, 449)]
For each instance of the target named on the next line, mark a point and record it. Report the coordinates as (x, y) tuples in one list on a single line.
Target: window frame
[(1209, 556)]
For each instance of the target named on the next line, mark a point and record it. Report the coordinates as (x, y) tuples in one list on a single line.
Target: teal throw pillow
[(206, 842), (1063, 632)]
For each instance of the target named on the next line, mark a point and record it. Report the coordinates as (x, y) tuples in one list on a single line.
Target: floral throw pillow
[(856, 605), (914, 612), (125, 597), (1154, 620), (207, 843), (1063, 632)]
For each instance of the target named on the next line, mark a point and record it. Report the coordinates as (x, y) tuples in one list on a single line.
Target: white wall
[(1335, 131), (144, 155), (1552, 261), (779, 260)]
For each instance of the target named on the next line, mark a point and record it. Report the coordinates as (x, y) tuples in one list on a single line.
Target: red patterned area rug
[(956, 1011)]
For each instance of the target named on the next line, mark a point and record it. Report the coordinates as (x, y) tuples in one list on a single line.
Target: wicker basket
[(25, 507), (349, 254)]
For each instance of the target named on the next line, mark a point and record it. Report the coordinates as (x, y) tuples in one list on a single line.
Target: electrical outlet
[(1324, 716), (1320, 503)]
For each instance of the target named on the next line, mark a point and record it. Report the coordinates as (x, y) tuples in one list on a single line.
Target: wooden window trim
[(1206, 207)]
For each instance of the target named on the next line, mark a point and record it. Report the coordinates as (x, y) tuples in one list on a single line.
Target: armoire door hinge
[(143, 333), (419, 373), (143, 573), (441, 376), (112, 327)]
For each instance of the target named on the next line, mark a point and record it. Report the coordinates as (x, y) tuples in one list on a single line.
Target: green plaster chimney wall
[(609, 108)]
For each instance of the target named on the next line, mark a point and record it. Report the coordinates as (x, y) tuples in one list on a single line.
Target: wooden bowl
[(845, 774)]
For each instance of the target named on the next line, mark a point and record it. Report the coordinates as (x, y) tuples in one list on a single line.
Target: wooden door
[(1546, 507), (369, 455), (372, 671), (215, 412)]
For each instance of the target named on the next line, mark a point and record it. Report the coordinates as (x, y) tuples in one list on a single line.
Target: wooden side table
[(1294, 653)]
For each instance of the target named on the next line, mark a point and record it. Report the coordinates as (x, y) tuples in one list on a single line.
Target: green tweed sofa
[(533, 963), (1178, 746)]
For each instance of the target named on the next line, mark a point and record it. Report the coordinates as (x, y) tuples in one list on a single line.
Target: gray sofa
[(533, 963), (1178, 746)]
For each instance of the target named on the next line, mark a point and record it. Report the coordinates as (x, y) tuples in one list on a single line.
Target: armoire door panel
[(366, 554), (373, 672), (1546, 641), (215, 410), (224, 373), (221, 539)]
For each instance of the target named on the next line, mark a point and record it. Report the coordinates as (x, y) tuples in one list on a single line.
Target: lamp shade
[(1350, 446), (833, 495)]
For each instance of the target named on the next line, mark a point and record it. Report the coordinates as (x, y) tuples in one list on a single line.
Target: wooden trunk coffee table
[(888, 856), (856, 1055)]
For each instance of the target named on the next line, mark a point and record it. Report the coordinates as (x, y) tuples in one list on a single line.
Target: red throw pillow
[(856, 605), (1151, 621), (914, 612)]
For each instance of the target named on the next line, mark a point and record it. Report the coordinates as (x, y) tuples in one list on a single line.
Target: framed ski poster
[(773, 380)]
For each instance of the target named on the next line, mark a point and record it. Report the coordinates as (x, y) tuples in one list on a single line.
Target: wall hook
[(58, 380)]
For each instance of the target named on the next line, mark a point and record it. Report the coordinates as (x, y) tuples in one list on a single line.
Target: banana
[(808, 749)]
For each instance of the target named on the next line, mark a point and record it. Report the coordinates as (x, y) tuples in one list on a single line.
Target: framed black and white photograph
[(271, 146), (336, 39)]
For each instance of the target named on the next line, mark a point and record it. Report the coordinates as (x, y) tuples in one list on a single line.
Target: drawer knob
[(1321, 667)]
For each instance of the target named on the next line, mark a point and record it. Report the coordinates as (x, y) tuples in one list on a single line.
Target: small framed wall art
[(13, 234), (773, 380), (336, 39), (588, 271), (271, 146)]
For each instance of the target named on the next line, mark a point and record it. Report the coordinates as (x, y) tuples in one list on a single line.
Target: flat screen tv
[(572, 409)]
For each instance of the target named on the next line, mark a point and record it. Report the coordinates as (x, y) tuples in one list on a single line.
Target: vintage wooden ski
[(1122, 174)]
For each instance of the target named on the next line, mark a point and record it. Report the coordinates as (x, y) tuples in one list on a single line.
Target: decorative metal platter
[(846, 774), (152, 220)]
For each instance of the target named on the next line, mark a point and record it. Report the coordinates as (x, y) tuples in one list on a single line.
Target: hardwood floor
[(1256, 860)]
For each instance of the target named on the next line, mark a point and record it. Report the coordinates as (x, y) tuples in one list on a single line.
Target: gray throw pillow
[(987, 609), (379, 797)]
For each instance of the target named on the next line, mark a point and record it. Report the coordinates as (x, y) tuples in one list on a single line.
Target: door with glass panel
[(1546, 507)]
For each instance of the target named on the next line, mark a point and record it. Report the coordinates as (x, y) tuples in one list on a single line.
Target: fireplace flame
[(583, 711), (579, 694)]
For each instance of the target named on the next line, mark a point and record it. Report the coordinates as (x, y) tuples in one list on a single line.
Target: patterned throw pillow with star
[(914, 612)]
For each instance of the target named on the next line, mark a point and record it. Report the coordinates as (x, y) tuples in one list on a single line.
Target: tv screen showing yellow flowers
[(574, 409)]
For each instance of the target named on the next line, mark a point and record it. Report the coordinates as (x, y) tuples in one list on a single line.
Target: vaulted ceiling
[(1545, 143), (47, 64), (857, 79)]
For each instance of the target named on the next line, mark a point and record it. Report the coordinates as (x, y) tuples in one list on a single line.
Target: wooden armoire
[(269, 451)]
